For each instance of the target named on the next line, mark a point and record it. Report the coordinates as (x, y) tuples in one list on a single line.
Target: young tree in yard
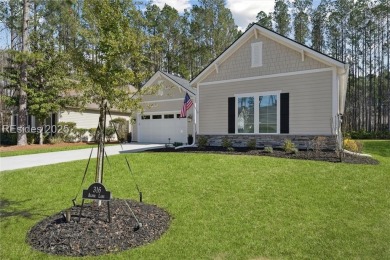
[(109, 57), (281, 17)]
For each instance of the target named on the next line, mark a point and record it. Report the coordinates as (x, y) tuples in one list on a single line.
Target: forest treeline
[(352, 31)]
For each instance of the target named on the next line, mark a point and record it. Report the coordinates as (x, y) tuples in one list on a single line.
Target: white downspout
[(342, 91)]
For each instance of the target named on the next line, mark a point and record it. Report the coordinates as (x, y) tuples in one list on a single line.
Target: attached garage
[(160, 120), (162, 128)]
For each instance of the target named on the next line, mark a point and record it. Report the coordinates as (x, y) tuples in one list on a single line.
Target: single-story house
[(269, 88), (264, 87), (88, 118), (160, 121)]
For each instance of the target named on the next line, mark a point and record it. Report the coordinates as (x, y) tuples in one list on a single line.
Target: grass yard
[(6, 151), (223, 206)]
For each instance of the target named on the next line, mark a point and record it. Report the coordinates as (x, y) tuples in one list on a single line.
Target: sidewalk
[(32, 160)]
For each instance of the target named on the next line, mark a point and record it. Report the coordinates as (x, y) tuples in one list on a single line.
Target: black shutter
[(231, 115), (284, 113)]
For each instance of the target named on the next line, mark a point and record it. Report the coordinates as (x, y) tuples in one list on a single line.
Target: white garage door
[(162, 128)]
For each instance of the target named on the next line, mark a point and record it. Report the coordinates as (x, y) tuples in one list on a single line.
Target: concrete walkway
[(32, 160)]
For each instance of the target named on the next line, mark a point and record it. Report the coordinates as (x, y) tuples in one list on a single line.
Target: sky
[(244, 12)]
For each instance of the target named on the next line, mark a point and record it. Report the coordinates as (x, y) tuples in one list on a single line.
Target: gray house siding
[(310, 102)]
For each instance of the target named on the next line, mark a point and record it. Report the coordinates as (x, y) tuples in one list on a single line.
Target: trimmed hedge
[(368, 135)]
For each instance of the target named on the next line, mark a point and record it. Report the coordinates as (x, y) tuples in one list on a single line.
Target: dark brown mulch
[(94, 235), (327, 156)]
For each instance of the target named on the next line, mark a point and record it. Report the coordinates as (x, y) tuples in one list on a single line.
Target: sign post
[(96, 191)]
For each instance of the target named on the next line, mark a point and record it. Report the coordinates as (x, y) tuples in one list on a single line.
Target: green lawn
[(223, 206), (47, 149)]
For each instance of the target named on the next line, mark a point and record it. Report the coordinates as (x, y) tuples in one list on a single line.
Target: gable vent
[(257, 54)]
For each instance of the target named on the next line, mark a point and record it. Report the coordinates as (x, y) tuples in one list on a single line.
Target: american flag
[(187, 104)]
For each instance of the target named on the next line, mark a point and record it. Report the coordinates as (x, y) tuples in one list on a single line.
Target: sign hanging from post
[(96, 191)]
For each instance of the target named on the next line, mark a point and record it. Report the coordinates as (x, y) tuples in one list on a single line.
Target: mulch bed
[(94, 235), (327, 156)]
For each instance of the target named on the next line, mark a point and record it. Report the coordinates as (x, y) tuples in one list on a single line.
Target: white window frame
[(256, 112), (257, 50)]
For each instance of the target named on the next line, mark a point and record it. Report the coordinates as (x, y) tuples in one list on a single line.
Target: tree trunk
[(101, 142), (22, 113), (41, 126)]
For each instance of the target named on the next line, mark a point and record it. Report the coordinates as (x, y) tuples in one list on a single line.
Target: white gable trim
[(303, 50), (229, 52), (266, 76), (159, 101), (159, 75)]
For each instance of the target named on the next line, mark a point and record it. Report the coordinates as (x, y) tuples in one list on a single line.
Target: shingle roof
[(182, 82)]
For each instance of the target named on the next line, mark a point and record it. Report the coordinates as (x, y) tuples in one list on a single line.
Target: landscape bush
[(353, 145), (55, 140), (289, 146), (226, 143), (8, 138), (251, 144), (67, 131), (122, 128), (176, 144), (268, 149), (319, 143), (368, 135), (202, 142)]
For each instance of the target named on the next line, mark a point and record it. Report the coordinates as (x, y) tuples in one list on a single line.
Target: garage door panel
[(159, 130)]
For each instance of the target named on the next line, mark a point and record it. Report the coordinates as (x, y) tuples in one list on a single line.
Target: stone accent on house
[(302, 142)]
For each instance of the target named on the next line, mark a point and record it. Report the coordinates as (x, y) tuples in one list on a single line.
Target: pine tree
[(319, 20), (302, 8), (264, 20), (22, 95), (281, 17)]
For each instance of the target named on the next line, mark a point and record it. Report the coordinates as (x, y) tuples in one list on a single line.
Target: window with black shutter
[(284, 113), (231, 115)]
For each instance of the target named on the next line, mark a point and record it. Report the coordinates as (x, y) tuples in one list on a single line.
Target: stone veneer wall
[(275, 141)]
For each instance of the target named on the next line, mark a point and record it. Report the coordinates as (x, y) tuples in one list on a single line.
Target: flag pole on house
[(186, 105)]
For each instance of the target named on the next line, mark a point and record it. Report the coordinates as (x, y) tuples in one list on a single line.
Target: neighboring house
[(160, 121), (89, 118), (269, 88), (86, 119)]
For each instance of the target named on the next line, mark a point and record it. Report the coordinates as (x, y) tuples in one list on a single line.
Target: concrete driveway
[(32, 160)]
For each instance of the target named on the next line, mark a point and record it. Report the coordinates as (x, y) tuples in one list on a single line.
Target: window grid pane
[(268, 114), (245, 122)]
